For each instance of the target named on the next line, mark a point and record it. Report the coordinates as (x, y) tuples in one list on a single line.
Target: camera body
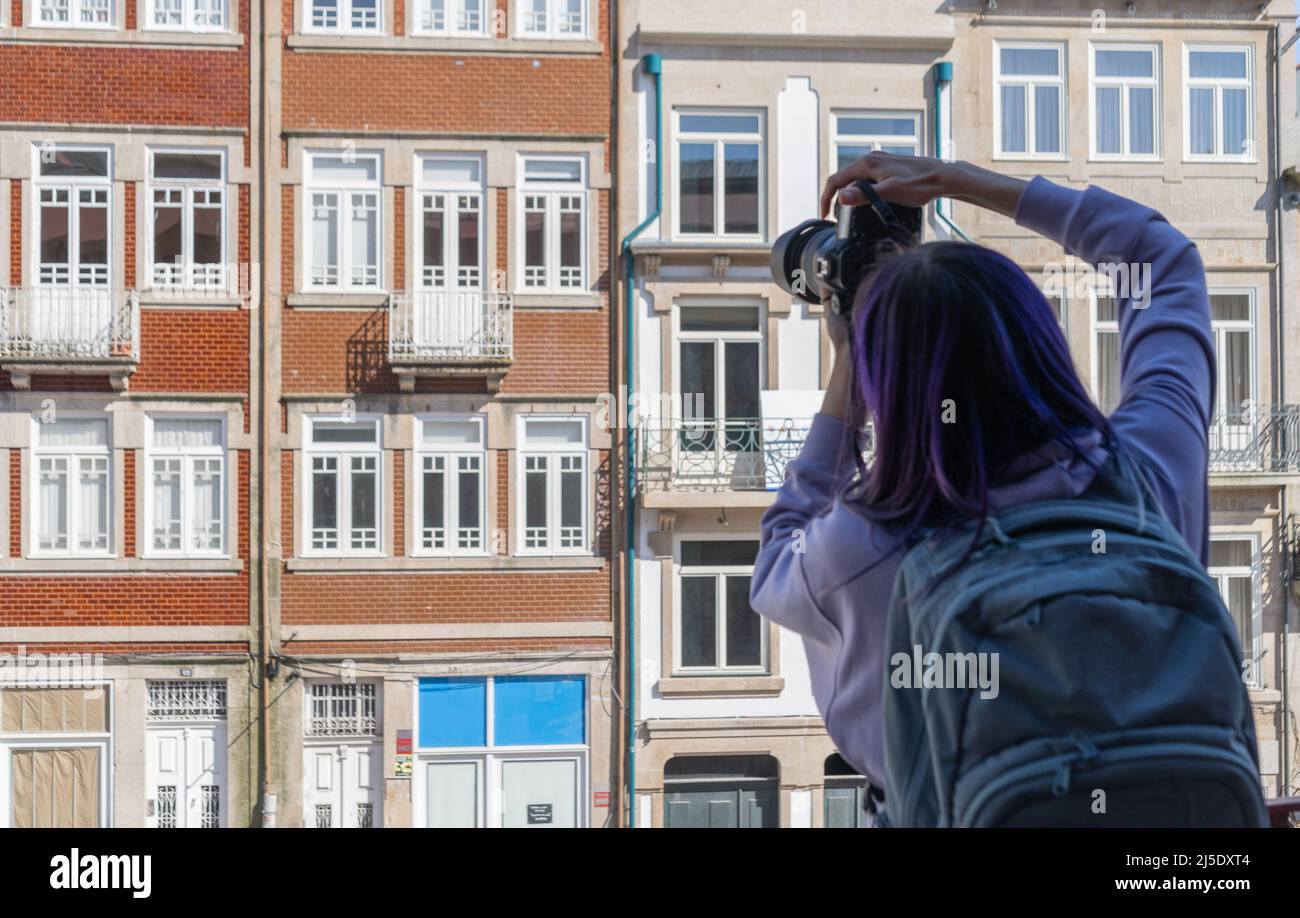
[(825, 261)]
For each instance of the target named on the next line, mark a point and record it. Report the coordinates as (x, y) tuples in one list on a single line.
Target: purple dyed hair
[(953, 320)]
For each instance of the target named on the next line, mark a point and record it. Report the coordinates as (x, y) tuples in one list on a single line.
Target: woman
[(958, 360)]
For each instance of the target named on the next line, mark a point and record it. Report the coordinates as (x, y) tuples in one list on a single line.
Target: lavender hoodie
[(827, 572)]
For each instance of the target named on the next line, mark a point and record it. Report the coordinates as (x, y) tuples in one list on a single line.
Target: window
[(451, 462), (504, 751), (343, 461), (451, 17), (717, 631), (187, 496), (76, 14), (553, 18), (857, 134), (1233, 561), (344, 16), (722, 792), (188, 228), (450, 192), (186, 699), (1125, 107), (342, 709), (1058, 303), (72, 487), (726, 144), (1105, 351), (343, 194), (720, 375), (553, 485), (1220, 111), (844, 795), (1029, 104), (188, 15), (74, 187), (554, 243)]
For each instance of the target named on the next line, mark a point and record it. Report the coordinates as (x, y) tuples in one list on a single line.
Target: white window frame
[(719, 572), (1219, 328), (720, 139), (874, 142), (555, 455), (192, 280), (345, 197), (76, 10), (1220, 575), (719, 339), (1218, 84), (453, 194), (453, 16), (1029, 82), (1124, 84), (72, 186), (553, 193), (343, 25), (73, 455), (190, 14), (1096, 327), (554, 10), (342, 454), (187, 457), (451, 454), (10, 742), (489, 759)]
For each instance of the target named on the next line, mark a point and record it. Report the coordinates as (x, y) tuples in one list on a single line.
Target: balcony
[(450, 333), (712, 456), (87, 330), (1255, 441)]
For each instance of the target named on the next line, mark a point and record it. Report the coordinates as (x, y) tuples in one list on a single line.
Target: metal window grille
[(365, 815), (167, 806), (210, 800), (187, 699), (343, 709), (324, 815)]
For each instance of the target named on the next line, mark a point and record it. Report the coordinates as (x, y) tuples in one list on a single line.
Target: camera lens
[(794, 260)]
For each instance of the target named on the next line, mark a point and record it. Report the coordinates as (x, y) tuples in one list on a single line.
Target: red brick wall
[(398, 510), (129, 504), (143, 600), (191, 350), (15, 503)]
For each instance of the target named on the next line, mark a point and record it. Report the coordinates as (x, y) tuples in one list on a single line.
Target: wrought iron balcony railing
[(69, 324), (717, 454), (1258, 440), (437, 327)]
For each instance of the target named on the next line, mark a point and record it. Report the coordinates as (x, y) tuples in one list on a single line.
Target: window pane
[(741, 188), (1235, 129), (1111, 63), (92, 228), (324, 492), (719, 124), (539, 710), (365, 501), (553, 170), (847, 153), (324, 239), (207, 236), (877, 125), (699, 379), (1241, 601), (744, 627), (452, 432), (207, 514), (1108, 120), (535, 240), (1142, 120), (697, 187), (1107, 308), (187, 166), (167, 221), (73, 432), (470, 485), (1235, 363), (1013, 119), (435, 510), (1030, 62), (719, 553), (542, 432), (742, 380), (345, 432), (719, 318), (54, 232), (468, 238), (699, 621), (453, 712), (570, 238), (356, 170), (365, 242), (434, 240), (75, 163), (1047, 119), (535, 495), (1201, 121), (53, 521), (439, 171), (1108, 376), (1217, 64), (1231, 552), (93, 509), (571, 523), (167, 504)]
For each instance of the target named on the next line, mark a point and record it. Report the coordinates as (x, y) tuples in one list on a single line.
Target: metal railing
[(433, 326), (69, 323), (1256, 439), (719, 454)]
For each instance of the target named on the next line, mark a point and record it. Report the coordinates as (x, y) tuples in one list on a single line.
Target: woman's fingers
[(862, 168)]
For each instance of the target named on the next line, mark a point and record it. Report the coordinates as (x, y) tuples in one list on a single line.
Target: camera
[(824, 260)]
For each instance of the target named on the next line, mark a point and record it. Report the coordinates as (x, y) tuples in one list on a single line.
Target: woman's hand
[(918, 180)]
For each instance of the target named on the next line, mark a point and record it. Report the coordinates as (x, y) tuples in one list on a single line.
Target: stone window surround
[(130, 164), (398, 167), (399, 416), (127, 432)]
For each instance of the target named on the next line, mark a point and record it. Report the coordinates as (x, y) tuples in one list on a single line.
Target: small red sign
[(601, 798), (403, 742)]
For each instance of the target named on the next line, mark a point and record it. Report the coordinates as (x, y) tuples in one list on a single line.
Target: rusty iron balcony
[(450, 333), (81, 329)]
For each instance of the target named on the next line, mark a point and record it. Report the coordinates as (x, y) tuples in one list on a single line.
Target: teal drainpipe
[(942, 77), (651, 65)]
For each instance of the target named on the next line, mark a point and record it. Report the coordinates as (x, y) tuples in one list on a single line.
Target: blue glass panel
[(453, 712), (540, 710)]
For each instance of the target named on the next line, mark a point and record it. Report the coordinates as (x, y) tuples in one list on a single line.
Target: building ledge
[(433, 44), (118, 371), (558, 301), (408, 370), (441, 565), (685, 499), (326, 300), (134, 38), (162, 299), (109, 567), (718, 686)]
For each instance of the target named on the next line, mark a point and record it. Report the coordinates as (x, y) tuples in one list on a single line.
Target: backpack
[(1086, 673)]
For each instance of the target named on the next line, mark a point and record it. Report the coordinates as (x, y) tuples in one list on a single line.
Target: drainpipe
[(942, 73), (651, 65)]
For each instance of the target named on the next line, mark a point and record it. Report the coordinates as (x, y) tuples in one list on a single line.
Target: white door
[(341, 787), (454, 794), (539, 793), (186, 773)]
